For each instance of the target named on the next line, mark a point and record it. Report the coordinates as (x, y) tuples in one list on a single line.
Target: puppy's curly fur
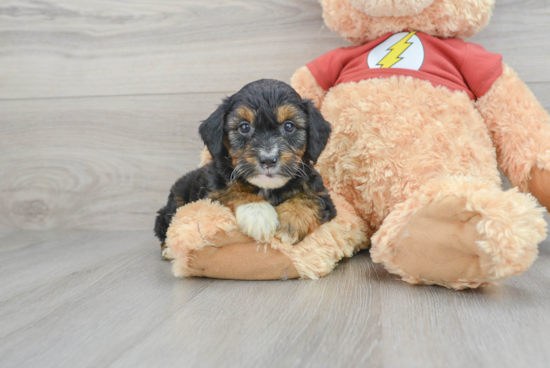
[(264, 141)]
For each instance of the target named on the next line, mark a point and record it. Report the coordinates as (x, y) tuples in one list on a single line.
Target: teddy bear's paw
[(440, 243), (257, 220), (539, 185), (166, 252), (474, 236)]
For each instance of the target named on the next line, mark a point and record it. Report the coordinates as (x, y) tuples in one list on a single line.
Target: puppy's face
[(266, 141), (268, 133)]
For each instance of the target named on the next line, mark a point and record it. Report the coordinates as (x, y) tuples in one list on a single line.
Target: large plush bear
[(421, 122)]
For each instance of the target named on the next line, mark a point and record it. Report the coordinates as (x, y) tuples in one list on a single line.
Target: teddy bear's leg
[(460, 232), (539, 185), (205, 240), (240, 258)]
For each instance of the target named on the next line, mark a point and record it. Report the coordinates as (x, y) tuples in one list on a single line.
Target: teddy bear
[(421, 123)]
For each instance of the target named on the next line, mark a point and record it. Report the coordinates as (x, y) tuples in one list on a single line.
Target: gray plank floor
[(97, 299), (99, 106)]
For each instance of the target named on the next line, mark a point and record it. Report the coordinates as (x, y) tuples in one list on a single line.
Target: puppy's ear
[(318, 132), (211, 130)]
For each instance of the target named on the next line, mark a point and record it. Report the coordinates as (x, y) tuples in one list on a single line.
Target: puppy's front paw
[(295, 222), (257, 220), (166, 252), (290, 233)]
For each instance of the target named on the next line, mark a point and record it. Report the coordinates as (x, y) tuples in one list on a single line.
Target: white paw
[(257, 220), (167, 254)]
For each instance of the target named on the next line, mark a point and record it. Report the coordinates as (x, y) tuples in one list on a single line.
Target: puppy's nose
[(268, 161)]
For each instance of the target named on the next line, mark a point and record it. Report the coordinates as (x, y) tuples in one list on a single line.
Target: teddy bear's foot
[(240, 258), (439, 243), (539, 185), (206, 240), (459, 234)]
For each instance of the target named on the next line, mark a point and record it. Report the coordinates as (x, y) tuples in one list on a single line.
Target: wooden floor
[(106, 299), (99, 107)]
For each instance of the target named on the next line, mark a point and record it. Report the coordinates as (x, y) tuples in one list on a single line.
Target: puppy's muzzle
[(268, 161)]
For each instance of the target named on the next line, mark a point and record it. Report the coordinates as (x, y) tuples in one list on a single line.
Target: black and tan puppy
[(264, 141)]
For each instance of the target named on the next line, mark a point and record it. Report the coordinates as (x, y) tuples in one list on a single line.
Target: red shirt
[(448, 62)]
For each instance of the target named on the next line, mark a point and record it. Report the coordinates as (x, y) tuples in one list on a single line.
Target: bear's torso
[(391, 136), (402, 110)]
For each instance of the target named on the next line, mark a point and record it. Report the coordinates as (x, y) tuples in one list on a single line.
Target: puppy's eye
[(244, 128), (289, 127)]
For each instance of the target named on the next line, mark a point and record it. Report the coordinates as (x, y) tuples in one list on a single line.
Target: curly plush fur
[(444, 18), (420, 163), (200, 231)]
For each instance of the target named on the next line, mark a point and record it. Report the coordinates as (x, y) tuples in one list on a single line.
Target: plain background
[(100, 100)]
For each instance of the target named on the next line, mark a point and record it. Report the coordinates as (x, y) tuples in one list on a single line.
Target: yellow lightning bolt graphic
[(396, 50)]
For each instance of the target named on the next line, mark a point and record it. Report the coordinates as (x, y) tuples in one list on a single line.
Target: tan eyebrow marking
[(245, 113), (285, 112)]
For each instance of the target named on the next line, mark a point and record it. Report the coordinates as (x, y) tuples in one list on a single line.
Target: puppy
[(264, 141)]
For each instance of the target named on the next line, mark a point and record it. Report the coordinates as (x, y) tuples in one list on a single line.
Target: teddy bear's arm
[(520, 130), (306, 85)]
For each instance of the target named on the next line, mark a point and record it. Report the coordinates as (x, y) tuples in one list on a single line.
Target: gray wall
[(100, 101)]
